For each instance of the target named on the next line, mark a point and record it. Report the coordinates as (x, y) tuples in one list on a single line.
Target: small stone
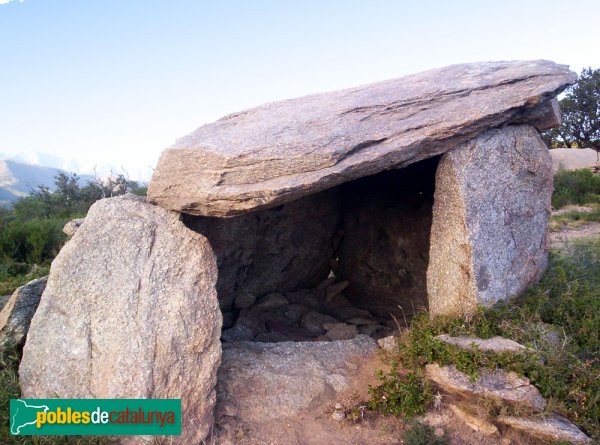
[(304, 297), (369, 329), (271, 337), (244, 300), (389, 343), (338, 413), (347, 313), (271, 300), (326, 283), (72, 226), (335, 289), (361, 321), (294, 312), (313, 321), (494, 344), (340, 331)]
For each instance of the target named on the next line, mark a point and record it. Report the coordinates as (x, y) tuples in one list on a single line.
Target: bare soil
[(559, 239)]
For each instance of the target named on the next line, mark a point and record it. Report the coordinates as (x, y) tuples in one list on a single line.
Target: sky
[(110, 84)]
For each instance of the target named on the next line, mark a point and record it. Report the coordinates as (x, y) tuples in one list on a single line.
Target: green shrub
[(13, 275), (575, 187), (422, 434), (405, 395), (32, 241)]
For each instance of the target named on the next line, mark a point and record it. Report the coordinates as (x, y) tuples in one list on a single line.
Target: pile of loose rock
[(320, 314)]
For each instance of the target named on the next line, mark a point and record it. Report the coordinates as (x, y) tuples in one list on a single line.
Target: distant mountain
[(18, 179)]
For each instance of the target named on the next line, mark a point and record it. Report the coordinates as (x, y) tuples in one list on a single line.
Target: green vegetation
[(31, 231), (565, 366), (422, 434), (580, 114), (573, 189), (577, 187), (575, 217)]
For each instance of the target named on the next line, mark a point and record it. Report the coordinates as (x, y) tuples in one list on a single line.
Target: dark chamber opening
[(350, 260)]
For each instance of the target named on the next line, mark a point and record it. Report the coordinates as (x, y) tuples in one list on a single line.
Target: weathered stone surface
[(494, 344), (315, 321), (506, 387), (384, 251), (389, 343), (340, 331), (281, 249), (72, 226), (259, 382), (281, 151), (476, 423), (123, 316), (553, 428), (17, 313), (490, 213), (3, 301)]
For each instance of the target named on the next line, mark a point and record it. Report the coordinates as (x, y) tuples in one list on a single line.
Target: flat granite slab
[(281, 151)]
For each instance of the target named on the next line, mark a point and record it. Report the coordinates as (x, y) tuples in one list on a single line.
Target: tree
[(580, 115)]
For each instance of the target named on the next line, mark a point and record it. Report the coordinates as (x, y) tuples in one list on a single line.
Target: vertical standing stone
[(490, 215), (129, 311)]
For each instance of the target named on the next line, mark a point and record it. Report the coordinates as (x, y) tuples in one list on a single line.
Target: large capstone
[(490, 214), (282, 151), (129, 311)]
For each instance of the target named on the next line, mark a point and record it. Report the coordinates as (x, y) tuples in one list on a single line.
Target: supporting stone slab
[(490, 215), (123, 316)]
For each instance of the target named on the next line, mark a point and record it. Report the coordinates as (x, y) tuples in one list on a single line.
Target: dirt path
[(562, 237)]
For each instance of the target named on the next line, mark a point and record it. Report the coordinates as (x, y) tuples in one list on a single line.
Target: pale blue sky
[(115, 82)]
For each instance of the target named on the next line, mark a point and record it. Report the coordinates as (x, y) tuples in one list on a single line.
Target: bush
[(422, 434), (33, 241), (575, 187)]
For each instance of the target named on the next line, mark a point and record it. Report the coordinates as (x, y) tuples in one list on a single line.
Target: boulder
[(279, 152), (490, 215), (552, 429), (17, 313), (498, 385), (72, 226), (123, 316), (259, 382)]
